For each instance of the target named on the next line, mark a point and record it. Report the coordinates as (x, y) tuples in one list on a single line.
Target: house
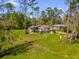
[(33, 29), (59, 27), (43, 28), (46, 28), (38, 28)]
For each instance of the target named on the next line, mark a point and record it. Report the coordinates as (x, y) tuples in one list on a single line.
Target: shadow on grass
[(17, 49), (75, 42)]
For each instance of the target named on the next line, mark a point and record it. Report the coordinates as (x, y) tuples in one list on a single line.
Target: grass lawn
[(47, 46)]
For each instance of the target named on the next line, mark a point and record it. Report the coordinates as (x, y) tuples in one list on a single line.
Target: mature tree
[(24, 4), (72, 5), (9, 7), (54, 15), (44, 16), (24, 7), (49, 13), (19, 21), (72, 21), (32, 5), (31, 14), (36, 11), (57, 14)]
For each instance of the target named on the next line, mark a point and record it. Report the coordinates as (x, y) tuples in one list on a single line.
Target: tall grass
[(47, 46)]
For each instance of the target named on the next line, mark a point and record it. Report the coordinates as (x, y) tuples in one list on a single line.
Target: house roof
[(31, 27), (59, 25)]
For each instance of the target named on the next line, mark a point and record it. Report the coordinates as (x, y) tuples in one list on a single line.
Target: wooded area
[(25, 22)]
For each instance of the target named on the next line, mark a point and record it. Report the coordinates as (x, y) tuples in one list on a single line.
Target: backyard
[(39, 29), (46, 46)]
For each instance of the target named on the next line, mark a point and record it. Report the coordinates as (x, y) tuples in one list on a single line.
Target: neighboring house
[(33, 29), (59, 27), (46, 28), (39, 28), (43, 28)]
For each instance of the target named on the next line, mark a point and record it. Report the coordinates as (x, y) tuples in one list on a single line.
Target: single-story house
[(59, 27), (38, 28), (43, 28), (46, 28), (33, 29)]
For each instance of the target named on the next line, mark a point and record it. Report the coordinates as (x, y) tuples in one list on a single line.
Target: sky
[(43, 4)]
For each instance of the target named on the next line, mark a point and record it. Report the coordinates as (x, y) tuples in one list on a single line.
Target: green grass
[(47, 46)]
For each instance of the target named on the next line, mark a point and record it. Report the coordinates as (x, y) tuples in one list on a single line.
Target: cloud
[(60, 8), (13, 2)]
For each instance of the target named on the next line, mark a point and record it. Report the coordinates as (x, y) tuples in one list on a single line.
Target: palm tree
[(9, 7)]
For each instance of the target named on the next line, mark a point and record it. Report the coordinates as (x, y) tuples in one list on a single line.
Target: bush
[(1, 26), (26, 32), (8, 38)]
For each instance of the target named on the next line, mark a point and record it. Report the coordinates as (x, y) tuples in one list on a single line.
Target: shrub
[(7, 38), (26, 32)]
